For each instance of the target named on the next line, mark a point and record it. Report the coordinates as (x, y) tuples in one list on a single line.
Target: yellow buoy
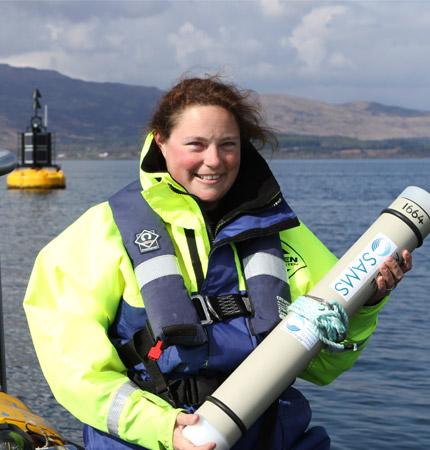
[(36, 178), (36, 169)]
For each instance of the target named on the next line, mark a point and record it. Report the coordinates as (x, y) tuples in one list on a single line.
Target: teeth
[(209, 177)]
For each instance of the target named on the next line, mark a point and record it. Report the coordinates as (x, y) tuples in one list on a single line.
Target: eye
[(195, 144), (229, 145)]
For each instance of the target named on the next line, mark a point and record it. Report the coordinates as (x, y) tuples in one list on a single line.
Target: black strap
[(195, 259), (208, 308), (231, 305), (186, 391), (189, 391), (136, 351), (222, 306)]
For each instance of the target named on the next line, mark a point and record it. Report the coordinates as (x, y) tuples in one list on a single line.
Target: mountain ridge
[(87, 113), (359, 119)]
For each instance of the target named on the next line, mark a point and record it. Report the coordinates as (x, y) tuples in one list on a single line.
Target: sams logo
[(363, 267), (355, 274), (296, 323), (381, 247)]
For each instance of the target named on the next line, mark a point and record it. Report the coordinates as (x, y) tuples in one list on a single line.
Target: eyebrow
[(201, 138)]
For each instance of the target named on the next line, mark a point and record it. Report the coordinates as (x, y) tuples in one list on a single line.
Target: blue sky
[(332, 51)]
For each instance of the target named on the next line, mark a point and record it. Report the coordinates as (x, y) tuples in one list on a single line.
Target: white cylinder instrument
[(289, 348)]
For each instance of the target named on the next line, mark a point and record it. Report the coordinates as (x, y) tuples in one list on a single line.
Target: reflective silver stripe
[(115, 410), (265, 264), (157, 267)]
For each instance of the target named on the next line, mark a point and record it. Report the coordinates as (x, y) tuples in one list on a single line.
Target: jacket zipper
[(273, 204), (211, 232)]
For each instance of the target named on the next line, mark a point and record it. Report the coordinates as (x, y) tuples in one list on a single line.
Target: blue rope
[(329, 320)]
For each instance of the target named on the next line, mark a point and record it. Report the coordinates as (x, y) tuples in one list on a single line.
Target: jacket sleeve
[(71, 300), (315, 260)]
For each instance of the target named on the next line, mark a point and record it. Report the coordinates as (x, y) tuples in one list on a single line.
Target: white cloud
[(217, 47), (273, 8), (338, 61), (37, 60), (310, 40), (79, 37), (188, 41), (332, 51)]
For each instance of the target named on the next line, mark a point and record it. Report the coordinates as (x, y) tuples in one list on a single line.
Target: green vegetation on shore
[(290, 146), (303, 146)]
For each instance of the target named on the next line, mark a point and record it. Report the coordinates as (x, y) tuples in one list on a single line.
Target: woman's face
[(203, 152)]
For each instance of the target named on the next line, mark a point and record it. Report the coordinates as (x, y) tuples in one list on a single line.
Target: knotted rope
[(328, 319)]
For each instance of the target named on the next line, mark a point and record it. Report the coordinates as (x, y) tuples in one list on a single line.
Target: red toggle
[(156, 351)]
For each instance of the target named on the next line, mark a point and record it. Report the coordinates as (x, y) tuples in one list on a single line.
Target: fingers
[(179, 440), (406, 264), (186, 419), (391, 273)]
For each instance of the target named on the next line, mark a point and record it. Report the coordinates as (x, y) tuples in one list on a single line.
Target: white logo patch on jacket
[(147, 241)]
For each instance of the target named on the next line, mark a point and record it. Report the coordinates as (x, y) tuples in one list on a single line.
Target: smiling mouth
[(209, 177)]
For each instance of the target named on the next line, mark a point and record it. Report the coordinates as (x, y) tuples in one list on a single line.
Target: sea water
[(383, 402)]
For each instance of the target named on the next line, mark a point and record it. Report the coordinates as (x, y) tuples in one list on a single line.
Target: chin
[(209, 204)]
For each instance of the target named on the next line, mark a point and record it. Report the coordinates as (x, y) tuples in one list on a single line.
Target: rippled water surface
[(383, 402)]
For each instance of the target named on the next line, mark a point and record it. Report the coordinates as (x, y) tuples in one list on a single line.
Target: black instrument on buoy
[(36, 168)]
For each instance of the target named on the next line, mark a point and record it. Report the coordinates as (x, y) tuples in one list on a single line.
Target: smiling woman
[(203, 152), (151, 299)]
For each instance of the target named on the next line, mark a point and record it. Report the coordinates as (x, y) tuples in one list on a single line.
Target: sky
[(331, 51)]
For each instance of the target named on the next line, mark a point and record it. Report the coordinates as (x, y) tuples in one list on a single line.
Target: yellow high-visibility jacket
[(79, 279)]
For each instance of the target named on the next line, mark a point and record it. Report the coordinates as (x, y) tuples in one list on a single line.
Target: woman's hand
[(391, 275), (182, 443)]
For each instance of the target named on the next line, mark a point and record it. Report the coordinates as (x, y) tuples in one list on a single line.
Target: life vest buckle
[(220, 307), (202, 309)]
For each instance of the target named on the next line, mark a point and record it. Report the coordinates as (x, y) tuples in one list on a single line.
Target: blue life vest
[(172, 315), (174, 319)]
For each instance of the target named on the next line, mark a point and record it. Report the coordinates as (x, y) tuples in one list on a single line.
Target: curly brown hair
[(211, 90)]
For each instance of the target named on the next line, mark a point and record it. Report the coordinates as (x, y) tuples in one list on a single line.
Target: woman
[(151, 299)]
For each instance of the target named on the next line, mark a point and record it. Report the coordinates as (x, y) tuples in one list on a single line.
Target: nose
[(212, 156)]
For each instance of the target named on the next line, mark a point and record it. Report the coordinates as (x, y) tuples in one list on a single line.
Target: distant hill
[(361, 120), (89, 118), (78, 111)]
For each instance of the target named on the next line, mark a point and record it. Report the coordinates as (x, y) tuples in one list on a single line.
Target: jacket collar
[(254, 188)]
